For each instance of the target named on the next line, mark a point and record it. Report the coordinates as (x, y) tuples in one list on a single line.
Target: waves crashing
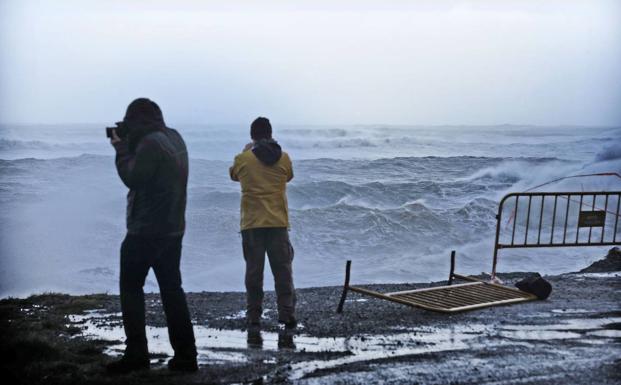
[(397, 215)]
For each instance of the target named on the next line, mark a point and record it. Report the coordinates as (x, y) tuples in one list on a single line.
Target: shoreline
[(572, 337)]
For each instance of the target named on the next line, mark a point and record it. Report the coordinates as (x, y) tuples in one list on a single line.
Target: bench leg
[(452, 272), (339, 309)]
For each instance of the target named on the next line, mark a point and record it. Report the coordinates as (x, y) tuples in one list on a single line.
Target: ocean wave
[(9, 144), (611, 152), (522, 173), (370, 195), (318, 132), (75, 160), (390, 231)]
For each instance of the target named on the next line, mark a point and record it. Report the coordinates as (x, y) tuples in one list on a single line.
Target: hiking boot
[(254, 338), (183, 364), (127, 365), (285, 340)]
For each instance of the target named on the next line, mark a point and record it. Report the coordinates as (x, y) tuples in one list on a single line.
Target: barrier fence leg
[(339, 309), (450, 279)]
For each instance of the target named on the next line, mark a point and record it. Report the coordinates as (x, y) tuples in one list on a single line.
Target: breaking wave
[(611, 152)]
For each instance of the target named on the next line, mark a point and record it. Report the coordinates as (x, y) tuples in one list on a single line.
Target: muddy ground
[(572, 337)]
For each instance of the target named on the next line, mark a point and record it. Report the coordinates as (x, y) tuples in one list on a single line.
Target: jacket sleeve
[(136, 169), (289, 170), (233, 170)]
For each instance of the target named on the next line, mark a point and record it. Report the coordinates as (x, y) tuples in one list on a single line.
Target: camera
[(121, 130)]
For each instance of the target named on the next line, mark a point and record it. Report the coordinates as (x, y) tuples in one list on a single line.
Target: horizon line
[(559, 125)]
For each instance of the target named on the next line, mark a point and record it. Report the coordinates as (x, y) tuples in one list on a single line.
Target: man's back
[(157, 179), (152, 161), (263, 186), (263, 170)]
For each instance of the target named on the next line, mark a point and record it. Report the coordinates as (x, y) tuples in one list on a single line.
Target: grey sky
[(315, 62)]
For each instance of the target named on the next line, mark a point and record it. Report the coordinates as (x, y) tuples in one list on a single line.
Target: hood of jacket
[(142, 117), (268, 151)]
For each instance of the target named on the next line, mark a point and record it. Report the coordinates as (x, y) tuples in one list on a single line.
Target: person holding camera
[(152, 161), (263, 171)]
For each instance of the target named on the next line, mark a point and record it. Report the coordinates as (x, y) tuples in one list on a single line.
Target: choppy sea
[(394, 199)]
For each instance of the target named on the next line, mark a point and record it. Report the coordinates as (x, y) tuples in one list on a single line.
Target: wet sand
[(572, 337)]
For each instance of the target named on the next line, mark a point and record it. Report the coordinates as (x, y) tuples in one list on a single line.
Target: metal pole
[(515, 217), (604, 227), (450, 280), (543, 201), (339, 309), (553, 220), (614, 233), (593, 209), (530, 198), (578, 222), (566, 217), (498, 220)]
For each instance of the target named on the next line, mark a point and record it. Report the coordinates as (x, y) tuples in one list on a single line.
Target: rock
[(535, 285), (612, 262)]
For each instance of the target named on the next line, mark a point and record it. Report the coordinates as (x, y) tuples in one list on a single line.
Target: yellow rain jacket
[(263, 187)]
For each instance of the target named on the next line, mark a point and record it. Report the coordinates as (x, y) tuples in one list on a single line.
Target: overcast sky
[(316, 62)]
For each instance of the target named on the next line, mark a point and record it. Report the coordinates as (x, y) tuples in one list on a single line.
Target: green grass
[(37, 347)]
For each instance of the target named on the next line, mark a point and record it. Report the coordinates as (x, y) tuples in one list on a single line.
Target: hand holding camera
[(114, 138), (118, 133)]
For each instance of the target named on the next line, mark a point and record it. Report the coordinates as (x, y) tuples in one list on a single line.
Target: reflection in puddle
[(568, 329), (242, 315), (571, 311), (540, 335), (236, 346), (606, 333)]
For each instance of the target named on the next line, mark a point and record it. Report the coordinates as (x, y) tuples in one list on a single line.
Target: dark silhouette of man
[(152, 161), (263, 171)]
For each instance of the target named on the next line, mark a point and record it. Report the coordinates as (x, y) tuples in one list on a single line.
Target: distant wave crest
[(610, 153)]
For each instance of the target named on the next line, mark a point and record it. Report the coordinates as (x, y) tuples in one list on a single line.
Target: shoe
[(177, 364), (285, 340), (254, 338), (127, 365), (291, 324)]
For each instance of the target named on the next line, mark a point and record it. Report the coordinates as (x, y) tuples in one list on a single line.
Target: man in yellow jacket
[(263, 171)]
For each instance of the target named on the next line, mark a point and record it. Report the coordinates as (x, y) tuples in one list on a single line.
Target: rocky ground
[(572, 337)]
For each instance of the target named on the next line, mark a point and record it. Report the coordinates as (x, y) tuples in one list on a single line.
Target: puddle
[(33, 308), (571, 311), (606, 333), (242, 315), (568, 324), (540, 335), (416, 341), (568, 329), (232, 346)]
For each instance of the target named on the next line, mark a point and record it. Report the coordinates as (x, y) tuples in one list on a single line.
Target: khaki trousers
[(274, 241)]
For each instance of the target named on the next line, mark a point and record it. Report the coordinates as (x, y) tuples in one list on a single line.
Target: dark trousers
[(163, 254), (274, 241)]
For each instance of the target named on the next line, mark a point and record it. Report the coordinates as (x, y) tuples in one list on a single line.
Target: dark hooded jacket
[(152, 162)]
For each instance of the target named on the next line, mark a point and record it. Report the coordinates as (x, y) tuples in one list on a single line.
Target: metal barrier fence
[(557, 219)]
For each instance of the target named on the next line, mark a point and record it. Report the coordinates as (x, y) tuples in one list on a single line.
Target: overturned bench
[(546, 219)]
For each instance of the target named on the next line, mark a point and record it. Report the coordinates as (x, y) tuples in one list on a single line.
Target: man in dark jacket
[(263, 171), (152, 161)]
